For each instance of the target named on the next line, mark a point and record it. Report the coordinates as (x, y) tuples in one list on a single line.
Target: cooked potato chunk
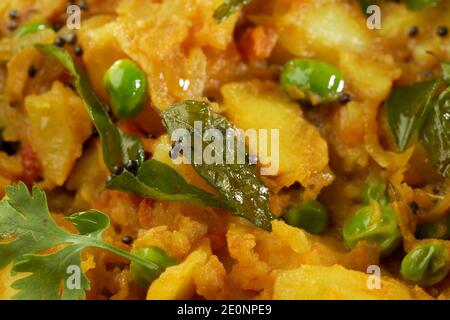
[(262, 105), (337, 283), (101, 49), (59, 126), (177, 282)]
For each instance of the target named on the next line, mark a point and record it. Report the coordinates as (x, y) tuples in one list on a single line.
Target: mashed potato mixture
[(341, 189)]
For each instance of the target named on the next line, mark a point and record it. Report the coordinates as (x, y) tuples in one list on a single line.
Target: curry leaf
[(227, 8), (435, 135), (407, 108), (47, 254), (157, 180), (238, 184), (118, 147)]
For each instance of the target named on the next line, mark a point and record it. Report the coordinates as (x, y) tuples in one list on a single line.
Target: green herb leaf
[(445, 66), (32, 27), (26, 218), (27, 229), (156, 180), (48, 274), (420, 4), (227, 8), (365, 4), (118, 147), (407, 108), (90, 223), (435, 135), (238, 184)]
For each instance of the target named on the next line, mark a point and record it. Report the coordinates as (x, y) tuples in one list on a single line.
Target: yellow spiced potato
[(177, 282), (303, 153), (224, 150), (337, 283), (59, 125)]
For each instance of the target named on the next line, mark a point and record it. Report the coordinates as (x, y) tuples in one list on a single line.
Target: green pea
[(426, 264), (375, 223), (127, 87), (313, 80), (438, 230), (32, 27), (375, 190), (312, 216), (145, 277)]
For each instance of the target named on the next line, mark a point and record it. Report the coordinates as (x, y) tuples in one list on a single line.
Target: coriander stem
[(125, 254)]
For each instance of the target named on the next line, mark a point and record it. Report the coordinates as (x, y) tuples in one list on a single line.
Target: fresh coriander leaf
[(26, 219), (31, 240), (238, 184), (407, 108), (445, 66), (435, 135), (90, 223), (227, 8), (49, 273), (156, 180), (118, 147)]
